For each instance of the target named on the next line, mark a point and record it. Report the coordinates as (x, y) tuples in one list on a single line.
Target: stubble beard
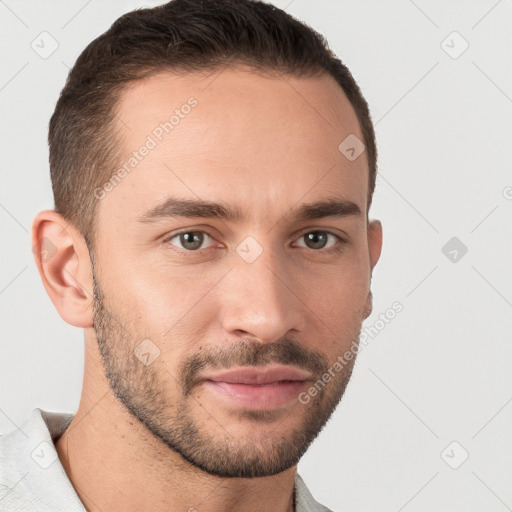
[(142, 389)]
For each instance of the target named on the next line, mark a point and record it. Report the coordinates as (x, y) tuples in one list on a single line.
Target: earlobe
[(369, 305), (62, 259)]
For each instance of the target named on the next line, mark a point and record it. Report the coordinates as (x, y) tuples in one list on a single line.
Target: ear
[(63, 261), (374, 241), (374, 250)]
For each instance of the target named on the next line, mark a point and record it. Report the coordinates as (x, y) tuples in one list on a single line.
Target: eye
[(319, 239), (189, 240)]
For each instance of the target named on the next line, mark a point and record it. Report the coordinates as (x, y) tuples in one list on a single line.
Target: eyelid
[(339, 238), (168, 238)]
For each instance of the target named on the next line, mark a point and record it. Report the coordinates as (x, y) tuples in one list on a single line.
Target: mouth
[(258, 388)]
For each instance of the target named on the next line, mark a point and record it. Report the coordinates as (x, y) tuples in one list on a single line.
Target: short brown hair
[(182, 35)]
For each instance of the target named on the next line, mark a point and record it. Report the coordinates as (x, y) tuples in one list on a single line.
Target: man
[(213, 165)]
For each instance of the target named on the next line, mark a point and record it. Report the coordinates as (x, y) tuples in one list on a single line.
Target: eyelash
[(336, 248)]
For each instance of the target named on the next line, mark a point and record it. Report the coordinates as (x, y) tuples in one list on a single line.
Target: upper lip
[(259, 375)]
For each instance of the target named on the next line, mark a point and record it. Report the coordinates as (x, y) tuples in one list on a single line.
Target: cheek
[(341, 305), (339, 300), (167, 304)]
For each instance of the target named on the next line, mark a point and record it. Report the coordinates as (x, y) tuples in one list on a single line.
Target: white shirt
[(32, 478)]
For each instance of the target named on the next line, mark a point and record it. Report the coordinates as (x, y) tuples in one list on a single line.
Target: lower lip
[(263, 397)]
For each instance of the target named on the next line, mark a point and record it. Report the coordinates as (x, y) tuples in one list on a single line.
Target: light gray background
[(440, 371)]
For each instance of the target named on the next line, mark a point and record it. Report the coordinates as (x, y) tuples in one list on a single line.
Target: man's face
[(211, 326)]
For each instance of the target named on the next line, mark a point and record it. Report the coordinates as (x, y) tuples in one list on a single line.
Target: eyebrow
[(191, 208), (197, 208), (327, 208)]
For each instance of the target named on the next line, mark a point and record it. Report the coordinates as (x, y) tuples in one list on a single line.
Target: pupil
[(316, 240), (191, 240)]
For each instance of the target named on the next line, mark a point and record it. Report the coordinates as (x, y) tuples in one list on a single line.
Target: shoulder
[(31, 476), (304, 500)]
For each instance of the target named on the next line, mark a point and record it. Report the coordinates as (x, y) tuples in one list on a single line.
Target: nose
[(261, 300)]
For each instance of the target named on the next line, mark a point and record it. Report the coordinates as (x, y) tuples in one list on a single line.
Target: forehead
[(254, 140)]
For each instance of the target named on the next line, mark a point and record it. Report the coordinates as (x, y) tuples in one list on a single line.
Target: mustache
[(250, 353)]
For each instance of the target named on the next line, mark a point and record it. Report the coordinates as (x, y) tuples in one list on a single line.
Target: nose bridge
[(258, 298)]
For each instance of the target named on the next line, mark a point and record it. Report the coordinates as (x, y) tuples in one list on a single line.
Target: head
[(209, 218)]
